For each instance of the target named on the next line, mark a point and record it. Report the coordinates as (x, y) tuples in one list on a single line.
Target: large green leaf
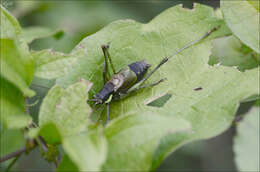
[(51, 64), (229, 51), (66, 108), (210, 109), (131, 41), (32, 33), (132, 139), (243, 19), (246, 142), (17, 65), (87, 151)]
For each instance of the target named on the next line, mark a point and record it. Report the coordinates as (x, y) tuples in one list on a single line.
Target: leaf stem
[(12, 163), (12, 155)]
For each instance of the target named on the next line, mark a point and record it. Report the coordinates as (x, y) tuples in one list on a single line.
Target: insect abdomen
[(105, 92), (139, 68)]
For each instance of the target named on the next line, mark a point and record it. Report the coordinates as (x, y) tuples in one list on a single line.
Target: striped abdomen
[(139, 68)]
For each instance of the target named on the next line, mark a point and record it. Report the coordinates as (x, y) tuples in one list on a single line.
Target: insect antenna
[(164, 60), (195, 41)]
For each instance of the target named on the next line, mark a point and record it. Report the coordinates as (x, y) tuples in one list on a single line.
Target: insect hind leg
[(145, 86), (130, 91)]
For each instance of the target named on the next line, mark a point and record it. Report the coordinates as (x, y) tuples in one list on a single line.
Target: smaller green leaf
[(243, 19), (33, 133), (17, 64), (14, 66), (51, 64), (87, 151), (229, 51), (36, 32), (66, 165), (50, 133), (67, 108), (10, 141), (246, 142), (12, 112), (10, 27), (257, 102), (255, 3), (23, 8), (132, 139)]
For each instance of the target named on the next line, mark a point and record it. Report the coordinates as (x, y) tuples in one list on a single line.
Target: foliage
[(243, 19), (17, 70), (138, 137), (67, 108), (246, 142), (32, 33), (230, 51)]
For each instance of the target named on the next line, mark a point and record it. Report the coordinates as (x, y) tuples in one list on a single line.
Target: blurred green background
[(81, 18)]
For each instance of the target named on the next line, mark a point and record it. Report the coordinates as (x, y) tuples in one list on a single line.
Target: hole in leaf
[(159, 102), (198, 89)]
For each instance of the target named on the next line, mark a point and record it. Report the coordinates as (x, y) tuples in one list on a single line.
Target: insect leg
[(108, 110), (107, 56), (155, 69), (105, 70), (130, 91)]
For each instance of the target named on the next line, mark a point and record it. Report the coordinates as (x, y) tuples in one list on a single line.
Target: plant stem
[(12, 155), (12, 163)]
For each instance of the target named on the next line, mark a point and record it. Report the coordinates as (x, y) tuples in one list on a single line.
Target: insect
[(130, 78)]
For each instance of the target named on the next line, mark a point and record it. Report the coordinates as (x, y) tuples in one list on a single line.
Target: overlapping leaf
[(11, 140), (13, 114), (132, 139), (246, 143), (14, 66), (67, 108), (87, 151), (229, 51), (18, 63), (17, 70), (32, 33), (50, 64), (242, 17)]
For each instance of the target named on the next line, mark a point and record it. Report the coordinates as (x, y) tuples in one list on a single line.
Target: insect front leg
[(108, 57), (108, 111), (108, 107)]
